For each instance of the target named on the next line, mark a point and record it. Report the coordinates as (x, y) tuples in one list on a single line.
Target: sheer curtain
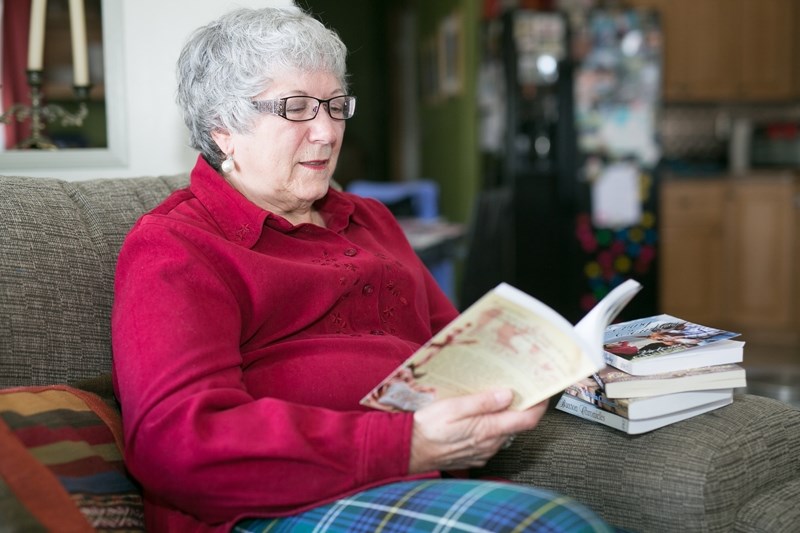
[(15, 16)]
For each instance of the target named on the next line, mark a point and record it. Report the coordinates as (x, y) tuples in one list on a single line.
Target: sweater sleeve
[(195, 438)]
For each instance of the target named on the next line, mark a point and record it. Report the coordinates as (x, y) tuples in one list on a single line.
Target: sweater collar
[(243, 222)]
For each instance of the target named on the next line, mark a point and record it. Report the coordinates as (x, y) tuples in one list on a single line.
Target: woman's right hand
[(465, 432)]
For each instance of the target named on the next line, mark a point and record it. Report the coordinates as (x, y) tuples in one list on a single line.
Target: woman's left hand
[(465, 432)]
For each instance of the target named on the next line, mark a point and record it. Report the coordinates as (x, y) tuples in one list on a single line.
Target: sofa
[(735, 469)]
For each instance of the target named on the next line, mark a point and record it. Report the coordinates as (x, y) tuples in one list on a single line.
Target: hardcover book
[(506, 339), (663, 343), (574, 406)]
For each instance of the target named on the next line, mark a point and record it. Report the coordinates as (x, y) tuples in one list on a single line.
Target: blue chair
[(422, 194)]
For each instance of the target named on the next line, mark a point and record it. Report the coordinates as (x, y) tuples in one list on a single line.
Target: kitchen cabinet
[(729, 253), (729, 50), (766, 31), (691, 250), (761, 240)]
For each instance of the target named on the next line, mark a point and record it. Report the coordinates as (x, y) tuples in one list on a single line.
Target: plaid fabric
[(441, 505)]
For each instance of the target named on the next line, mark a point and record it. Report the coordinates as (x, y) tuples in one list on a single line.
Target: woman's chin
[(316, 190)]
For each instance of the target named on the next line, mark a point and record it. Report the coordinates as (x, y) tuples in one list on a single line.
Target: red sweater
[(243, 344)]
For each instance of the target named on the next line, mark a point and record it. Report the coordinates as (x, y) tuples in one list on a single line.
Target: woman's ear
[(223, 140)]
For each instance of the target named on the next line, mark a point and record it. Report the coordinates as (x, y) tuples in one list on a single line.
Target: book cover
[(664, 343), (574, 406), (645, 407), (506, 339), (620, 384)]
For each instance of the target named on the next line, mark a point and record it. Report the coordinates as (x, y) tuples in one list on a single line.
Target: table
[(438, 243)]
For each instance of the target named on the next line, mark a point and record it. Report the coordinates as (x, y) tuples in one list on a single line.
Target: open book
[(507, 339)]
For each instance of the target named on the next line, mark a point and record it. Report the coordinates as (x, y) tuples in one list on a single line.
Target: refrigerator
[(568, 105)]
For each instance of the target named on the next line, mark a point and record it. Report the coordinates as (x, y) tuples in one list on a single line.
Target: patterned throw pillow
[(61, 466)]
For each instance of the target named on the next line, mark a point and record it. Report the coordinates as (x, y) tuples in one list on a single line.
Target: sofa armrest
[(695, 475)]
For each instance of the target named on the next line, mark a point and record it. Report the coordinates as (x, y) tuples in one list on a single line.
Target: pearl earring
[(228, 165)]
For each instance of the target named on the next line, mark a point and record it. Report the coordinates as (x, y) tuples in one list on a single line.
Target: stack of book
[(661, 370)]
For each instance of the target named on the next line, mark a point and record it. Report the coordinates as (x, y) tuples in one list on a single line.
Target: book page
[(592, 327), (505, 340)]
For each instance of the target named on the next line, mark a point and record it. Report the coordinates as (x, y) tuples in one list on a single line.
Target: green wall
[(449, 127)]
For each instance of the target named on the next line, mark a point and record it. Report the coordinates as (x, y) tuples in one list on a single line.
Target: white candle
[(36, 35), (80, 54)]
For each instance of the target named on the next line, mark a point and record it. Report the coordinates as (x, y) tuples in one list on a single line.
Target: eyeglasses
[(303, 108)]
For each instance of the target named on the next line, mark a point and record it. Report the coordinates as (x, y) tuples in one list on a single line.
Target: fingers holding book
[(466, 431)]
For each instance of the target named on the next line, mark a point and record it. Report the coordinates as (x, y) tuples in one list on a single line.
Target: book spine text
[(570, 404)]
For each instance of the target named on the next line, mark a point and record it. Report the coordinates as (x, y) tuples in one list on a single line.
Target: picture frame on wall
[(451, 55), (109, 91)]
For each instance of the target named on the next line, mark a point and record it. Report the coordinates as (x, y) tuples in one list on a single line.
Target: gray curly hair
[(227, 63)]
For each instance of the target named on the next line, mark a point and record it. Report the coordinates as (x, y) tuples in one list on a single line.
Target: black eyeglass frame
[(278, 106)]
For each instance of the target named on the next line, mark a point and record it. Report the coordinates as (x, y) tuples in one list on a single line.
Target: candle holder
[(41, 114)]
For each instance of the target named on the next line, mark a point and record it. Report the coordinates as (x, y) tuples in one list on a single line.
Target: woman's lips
[(317, 164)]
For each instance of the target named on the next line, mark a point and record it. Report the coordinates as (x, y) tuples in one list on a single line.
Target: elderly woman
[(255, 308)]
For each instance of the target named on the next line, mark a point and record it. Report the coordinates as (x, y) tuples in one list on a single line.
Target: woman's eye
[(296, 108)]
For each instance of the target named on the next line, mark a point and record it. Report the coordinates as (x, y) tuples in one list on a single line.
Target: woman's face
[(286, 166)]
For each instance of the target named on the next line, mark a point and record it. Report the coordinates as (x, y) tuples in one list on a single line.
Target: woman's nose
[(325, 129)]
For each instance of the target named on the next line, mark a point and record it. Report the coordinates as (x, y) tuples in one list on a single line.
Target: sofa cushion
[(59, 243), (61, 466)]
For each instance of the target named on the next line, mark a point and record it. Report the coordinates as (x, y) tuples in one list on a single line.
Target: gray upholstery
[(58, 247), (702, 474), (736, 469)]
